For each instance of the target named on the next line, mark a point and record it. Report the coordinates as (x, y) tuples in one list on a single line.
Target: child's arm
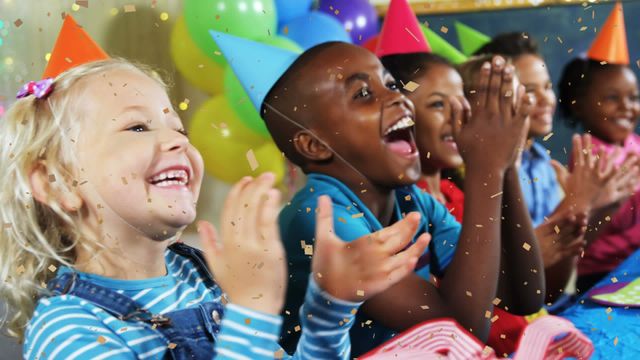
[(522, 283), (468, 288), (250, 267)]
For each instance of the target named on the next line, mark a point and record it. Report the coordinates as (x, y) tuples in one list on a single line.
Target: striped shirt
[(68, 327)]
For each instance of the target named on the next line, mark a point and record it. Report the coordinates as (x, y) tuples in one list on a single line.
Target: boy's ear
[(311, 147), (45, 190)]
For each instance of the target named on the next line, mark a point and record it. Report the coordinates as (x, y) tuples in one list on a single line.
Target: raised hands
[(358, 270), (594, 181), (491, 129), (248, 261), (561, 237)]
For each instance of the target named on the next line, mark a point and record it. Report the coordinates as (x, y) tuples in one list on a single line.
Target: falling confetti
[(251, 158)]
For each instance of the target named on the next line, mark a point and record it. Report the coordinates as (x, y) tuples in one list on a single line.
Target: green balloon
[(252, 19), (238, 98)]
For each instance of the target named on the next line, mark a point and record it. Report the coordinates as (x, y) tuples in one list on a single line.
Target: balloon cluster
[(227, 129)]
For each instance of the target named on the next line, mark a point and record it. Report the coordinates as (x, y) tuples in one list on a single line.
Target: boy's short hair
[(511, 44)]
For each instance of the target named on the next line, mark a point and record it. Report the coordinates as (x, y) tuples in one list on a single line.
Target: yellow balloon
[(193, 64), (224, 143)]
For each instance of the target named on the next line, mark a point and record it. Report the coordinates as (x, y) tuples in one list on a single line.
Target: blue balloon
[(287, 10), (314, 28)]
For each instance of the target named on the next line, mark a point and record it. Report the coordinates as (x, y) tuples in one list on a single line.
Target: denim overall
[(192, 330)]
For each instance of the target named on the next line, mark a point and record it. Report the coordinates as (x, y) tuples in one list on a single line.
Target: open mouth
[(174, 177), (399, 138), (625, 123)]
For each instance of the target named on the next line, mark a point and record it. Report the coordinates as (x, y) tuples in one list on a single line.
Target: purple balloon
[(359, 18)]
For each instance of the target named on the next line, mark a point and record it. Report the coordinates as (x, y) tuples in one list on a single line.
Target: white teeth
[(171, 177), (624, 123), (405, 122), (447, 138)]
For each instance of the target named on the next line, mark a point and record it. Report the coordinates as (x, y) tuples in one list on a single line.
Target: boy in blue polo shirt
[(337, 113)]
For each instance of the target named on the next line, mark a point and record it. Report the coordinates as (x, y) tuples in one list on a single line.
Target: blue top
[(539, 184), (69, 327), (352, 219)]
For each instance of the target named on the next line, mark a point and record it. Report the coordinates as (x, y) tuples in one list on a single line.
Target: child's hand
[(621, 181), (493, 135), (248, 262), (594, 181), (561, 237), (357, 270)]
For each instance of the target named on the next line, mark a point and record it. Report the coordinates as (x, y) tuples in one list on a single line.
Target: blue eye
[(138, 128)]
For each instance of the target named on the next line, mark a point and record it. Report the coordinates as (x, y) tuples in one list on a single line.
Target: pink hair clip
[(40, 89)]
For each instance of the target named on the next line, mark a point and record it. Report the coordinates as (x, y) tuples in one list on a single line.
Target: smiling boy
[(338, 114)]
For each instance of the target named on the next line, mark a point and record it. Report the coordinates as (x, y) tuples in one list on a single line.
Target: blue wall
[(550, 22)]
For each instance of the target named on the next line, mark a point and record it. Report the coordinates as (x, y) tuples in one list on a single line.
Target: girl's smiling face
[(610, 106), (142, 175), (533, 74)]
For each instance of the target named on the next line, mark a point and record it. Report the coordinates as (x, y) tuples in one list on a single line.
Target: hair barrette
[(40, 89)]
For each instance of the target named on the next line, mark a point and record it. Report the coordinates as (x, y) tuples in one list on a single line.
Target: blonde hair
[(36, 238)]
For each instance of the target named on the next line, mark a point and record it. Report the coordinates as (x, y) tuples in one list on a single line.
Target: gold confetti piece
[(308, 250), (166, 110), (556, 229), (503, 336), (584, 28), (479, 225), (444, 29), (172, 346), (609, 310), (164, 16), (359, 215), (496, 195), (614, 279), (495, 318), (368, 322), (615, 341), (607, 218), (547, 137), (251, 158), (129, 8), (407, 198), (342, 220), (360, 292), (496, 301), (18, 23), (559, 39), (52, 268), (247, 321), (183, 106), (296, 328), (124, 181), (20, 269), (526, 246), (424, 307), (279, 354), (487, 314), (411, 86), (468, 293), (101, 339)]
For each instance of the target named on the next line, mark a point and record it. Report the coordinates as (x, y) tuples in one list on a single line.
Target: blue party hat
[(258, 66)]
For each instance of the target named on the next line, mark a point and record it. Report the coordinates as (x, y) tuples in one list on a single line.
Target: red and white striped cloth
[(445, 339)]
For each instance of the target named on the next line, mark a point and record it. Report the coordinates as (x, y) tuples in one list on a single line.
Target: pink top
[(631, 145), (622, 236)]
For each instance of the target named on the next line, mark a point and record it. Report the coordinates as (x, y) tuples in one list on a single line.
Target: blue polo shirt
[(352, 220), (539, 184)]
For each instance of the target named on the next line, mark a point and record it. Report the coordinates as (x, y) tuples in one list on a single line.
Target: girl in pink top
[(604, 100)]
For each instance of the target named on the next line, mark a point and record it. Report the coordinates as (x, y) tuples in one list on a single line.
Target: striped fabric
[(549, 337), (67, 327)]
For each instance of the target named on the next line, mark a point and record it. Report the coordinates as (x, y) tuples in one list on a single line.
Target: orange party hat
[(611, 44), (73, 47)]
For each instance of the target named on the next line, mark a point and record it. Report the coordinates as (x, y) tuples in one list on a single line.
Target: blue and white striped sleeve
[(248, 334), (325, 322), (66, 330)]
